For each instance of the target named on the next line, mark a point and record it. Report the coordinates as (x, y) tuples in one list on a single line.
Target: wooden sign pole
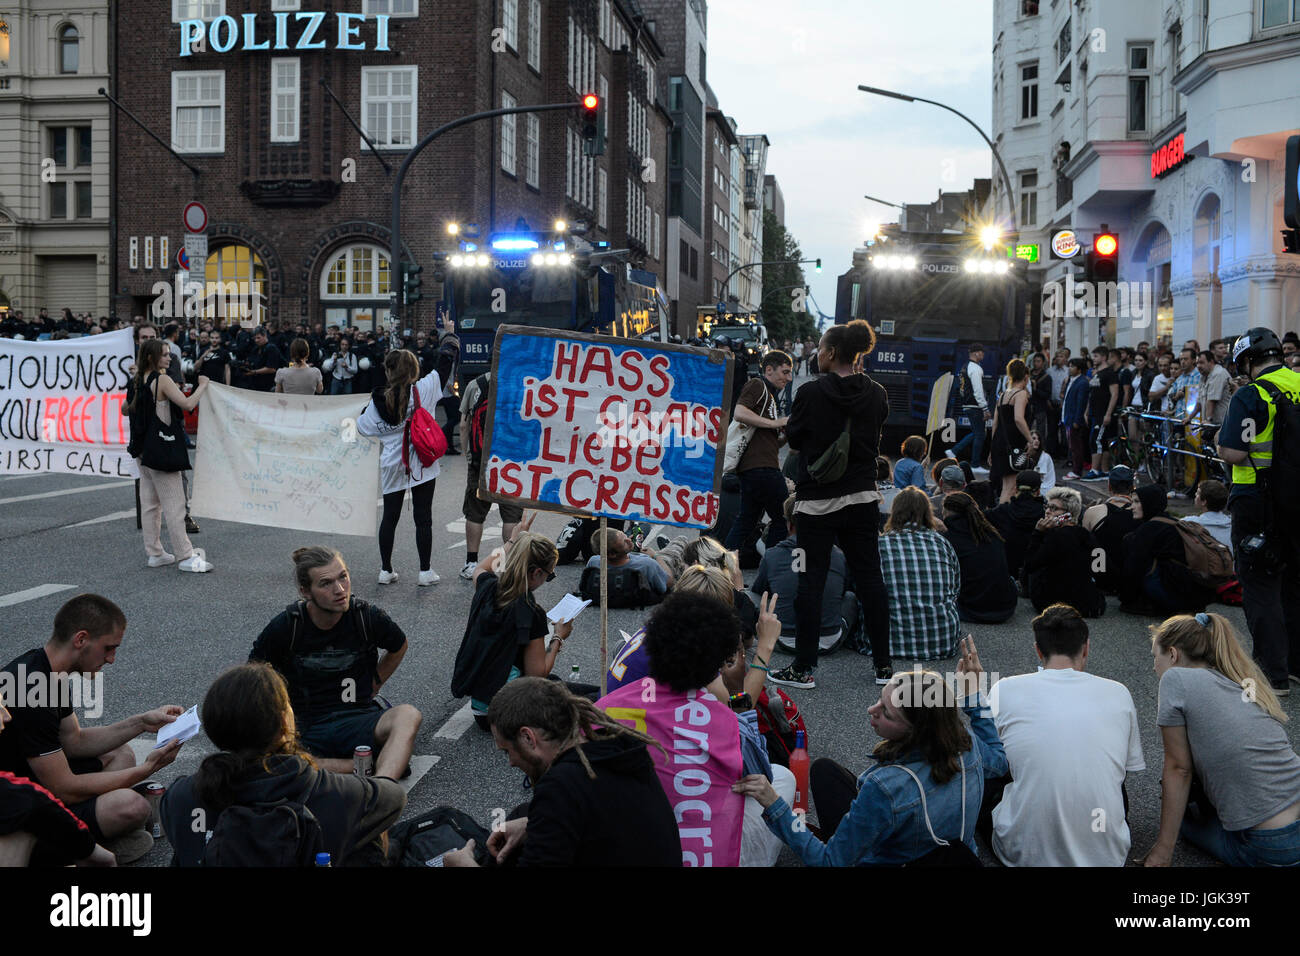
[(604, 605)]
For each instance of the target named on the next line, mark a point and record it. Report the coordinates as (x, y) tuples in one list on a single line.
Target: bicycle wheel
[(1155, 459), (1121, 453)]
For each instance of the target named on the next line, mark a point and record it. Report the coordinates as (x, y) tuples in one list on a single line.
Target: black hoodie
[(622, 818), (353, 811), (820, 409), (1015, 521)]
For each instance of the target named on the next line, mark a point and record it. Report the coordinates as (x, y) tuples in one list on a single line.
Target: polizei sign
[(308, 31)]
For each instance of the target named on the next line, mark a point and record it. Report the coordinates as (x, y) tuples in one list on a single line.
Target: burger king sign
[(1065, 244)]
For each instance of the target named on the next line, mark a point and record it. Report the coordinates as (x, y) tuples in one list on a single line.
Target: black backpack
[(420, 841), (478, 418), (284, 833), (1284, 473), (628, 587)]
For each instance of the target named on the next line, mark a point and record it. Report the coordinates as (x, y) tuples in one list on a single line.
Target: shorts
[(85, 810), (1100, 438), (476, 509), (338, 734)]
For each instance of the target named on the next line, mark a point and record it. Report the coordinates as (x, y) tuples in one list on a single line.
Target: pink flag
[(702, 737)]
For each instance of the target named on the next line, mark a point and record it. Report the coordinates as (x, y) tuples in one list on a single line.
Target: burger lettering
[(1169, 157), (225, 33)]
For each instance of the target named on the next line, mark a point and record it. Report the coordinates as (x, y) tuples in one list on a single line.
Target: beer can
[(154, 792), (363, 762)]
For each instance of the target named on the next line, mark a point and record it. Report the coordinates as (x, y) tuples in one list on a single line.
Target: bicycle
[(1168, 460)]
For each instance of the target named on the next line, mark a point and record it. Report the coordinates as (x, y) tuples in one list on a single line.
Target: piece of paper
[(570, 606), (181, 729)]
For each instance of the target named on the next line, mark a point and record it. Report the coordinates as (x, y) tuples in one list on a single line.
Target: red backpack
[(423, 434), (778, 719)]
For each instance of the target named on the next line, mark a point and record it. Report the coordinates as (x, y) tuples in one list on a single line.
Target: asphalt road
[(60, 535)]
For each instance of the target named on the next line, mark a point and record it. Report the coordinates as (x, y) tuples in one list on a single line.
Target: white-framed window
[(508, 134), (602, 199), (133, 255), (510, 22), (654, 237), (199, 111), (1276, 13), (164, 253), (394, 8), (197, 10), (532, 150), (286, 4), (535, 34), (148, 252), (234, 284), (603, 93), (388, 105), (1029, 198), (356, 272), (568, 163), (1139, 87), (1029, 91), (285, 99)]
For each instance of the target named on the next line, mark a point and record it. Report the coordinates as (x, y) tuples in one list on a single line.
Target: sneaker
[(196, 563), (1294, 678), (949, 453), (467, 572), (429, 577), (792, 678), (387, 577), (1093, 475), (662, 542), (884, 675), (191, 526), (1281, 688), (162, 560), (130, 846), (1071, 476)]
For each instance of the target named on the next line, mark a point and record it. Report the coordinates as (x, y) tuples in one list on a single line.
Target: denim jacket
[(885, 825)]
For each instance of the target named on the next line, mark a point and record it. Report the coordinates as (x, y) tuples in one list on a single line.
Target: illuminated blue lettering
[(250, 33), (381, 41), (232, 34), (348, 30), (191, 33), (282, 31), (314, 20)]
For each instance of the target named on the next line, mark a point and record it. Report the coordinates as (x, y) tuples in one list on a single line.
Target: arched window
[(1153, 256), (69, 49), (235, 289), (1207, 236), (354, 287)]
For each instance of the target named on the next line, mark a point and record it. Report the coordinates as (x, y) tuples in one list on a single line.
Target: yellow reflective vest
[(1260, 448)]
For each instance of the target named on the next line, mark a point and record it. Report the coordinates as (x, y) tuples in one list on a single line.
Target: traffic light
[(593, 125), (1103, 260), (411, 283), (819, 266)]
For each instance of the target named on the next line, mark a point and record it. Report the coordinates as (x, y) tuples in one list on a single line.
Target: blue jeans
[(339, 386), (761, 490), (975, 440), (1280, 847)]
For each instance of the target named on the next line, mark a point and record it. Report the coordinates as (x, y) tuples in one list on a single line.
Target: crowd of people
[(890, 557)]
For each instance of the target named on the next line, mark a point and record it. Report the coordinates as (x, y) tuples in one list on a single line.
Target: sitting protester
[(1070, 739), (923, 579), (1058, 567), (1211, 499), (596, 800), (951, 479), (1231, 780), (910, 470), (988, 591), (505, 636), (1017, 518), (877, 819), (248, 715), (622, 553), (326, 646), (1156, 577), (1110, 521)]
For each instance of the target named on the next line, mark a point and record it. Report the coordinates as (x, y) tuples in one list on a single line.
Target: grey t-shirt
[(1246, 764), (654, 573), (1215, 389), (298, 381)]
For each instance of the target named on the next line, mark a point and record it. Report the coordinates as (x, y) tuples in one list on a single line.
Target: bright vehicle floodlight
[(986, 267), (989, 236), (538, 259), (483, 259), (457, 261), (561, 225), (550, 258), (565, 258), (972, 265), (453, 228), (1004, 267), (909, 262)]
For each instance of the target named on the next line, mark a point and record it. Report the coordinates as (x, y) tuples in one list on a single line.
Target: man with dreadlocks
[(596, 798)]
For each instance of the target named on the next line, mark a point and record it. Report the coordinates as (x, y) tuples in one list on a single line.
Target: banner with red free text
[(61, 405), (605, 426)]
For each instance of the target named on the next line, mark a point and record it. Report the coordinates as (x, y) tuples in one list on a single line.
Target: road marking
[(115, 516), (65, 491), (420, 765), (31, 594), (457, 724)]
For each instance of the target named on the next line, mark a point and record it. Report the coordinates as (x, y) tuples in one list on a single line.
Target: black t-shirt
[(1099, 393), (34, 731), (327, 671), (266, 356), (213, 363)]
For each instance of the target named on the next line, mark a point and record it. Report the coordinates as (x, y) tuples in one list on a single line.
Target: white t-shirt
[(1157, 383), (1047, 468), (1070, 738), (798, 350)]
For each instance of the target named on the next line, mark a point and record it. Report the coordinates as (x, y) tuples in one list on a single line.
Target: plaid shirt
[(923, 579)]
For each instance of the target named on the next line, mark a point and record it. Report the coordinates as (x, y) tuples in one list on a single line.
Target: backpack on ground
[(778, 720), (478, 417), (284, 833), (628, 587), (421, 841), (1209, 561), (422, 434), (1284, 473)]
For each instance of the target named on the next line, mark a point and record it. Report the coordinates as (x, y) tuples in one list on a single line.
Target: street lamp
[(1006, 179)]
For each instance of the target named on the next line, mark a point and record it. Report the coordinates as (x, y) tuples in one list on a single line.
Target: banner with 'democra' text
[(285, 461), (61, 406), (620, 428)]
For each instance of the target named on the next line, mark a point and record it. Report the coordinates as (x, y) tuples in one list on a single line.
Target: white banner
[(285, 461), (61, 406)]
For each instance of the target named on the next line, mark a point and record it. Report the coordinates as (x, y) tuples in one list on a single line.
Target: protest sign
[(286, 461), (618, 428), (61, 406)]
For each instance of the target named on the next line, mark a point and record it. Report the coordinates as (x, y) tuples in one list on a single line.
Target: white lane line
[(31, 594), (457, 724), (65, 491), (115, 516), (420, 765)]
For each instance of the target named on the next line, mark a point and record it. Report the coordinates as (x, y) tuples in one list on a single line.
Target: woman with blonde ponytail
[(1231, 781), (386, 418)]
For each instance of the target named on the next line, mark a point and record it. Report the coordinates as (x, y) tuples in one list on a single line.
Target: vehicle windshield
[(736, 331), (941, 306), (540, 297)]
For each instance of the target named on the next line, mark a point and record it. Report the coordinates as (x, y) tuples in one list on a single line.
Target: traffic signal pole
[(395, 244)]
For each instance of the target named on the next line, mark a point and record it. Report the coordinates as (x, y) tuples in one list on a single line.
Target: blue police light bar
[(468, 246), (515, 244)]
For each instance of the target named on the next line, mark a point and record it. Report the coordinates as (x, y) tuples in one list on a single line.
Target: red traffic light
[(590, 101), (1105, 244)]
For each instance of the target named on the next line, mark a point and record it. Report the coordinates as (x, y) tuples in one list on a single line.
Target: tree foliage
[(783, 285)]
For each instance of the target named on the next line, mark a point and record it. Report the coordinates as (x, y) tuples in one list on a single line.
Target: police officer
[(1267, 555)]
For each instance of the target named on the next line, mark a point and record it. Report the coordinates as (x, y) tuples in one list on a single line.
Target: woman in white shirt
[(385, 418)]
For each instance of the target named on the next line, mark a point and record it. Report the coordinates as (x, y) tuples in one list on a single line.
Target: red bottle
[(799, 767)]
